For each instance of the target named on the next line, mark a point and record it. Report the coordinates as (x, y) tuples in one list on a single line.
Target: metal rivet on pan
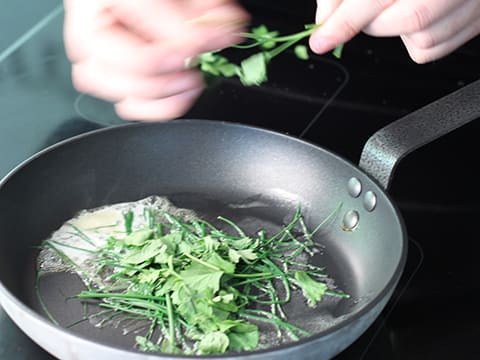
[(370, 200), (354, 187), (350, 220)]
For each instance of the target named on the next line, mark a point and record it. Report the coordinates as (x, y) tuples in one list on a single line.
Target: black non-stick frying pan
[(229, 169)]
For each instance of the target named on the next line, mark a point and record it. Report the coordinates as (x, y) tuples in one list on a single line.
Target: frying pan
[(250, 174)]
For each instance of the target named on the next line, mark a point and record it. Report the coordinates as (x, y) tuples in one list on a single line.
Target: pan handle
[(384, 149)]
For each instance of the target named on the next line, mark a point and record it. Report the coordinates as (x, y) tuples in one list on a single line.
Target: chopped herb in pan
[(203, 289)]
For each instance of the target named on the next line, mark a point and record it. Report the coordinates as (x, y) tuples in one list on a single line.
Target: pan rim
[(384, 294)]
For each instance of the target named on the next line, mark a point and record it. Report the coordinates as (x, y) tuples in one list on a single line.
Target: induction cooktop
[(335, 103)]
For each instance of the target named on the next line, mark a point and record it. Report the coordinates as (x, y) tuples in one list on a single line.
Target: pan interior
[(256, 178), (57, 289)]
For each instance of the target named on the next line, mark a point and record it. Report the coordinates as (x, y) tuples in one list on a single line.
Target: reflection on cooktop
[(286, 103)]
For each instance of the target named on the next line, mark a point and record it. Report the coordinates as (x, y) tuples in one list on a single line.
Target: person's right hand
[(430, 29), (133, 53)]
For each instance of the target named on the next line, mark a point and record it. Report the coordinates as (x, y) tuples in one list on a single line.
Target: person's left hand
[(133, 52)]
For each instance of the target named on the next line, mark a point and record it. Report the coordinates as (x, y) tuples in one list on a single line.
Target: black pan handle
[(384, 149)]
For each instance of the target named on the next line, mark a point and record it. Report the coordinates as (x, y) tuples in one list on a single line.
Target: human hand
[(133, 53), (430, 29)]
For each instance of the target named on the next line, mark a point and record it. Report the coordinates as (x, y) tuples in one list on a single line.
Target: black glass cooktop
[(335, 103)]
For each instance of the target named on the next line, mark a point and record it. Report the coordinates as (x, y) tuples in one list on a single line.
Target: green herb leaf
[(151, 249), (243, 243), (181, 294), (301, 52), (216, 260), (337, 52), (246, 255), (146, 345), (244, 337), (224, 297), (214, 64), (265, 37), (168, 347), (199, 277), (210, 243), (254, 69), (213, 343), (225, 302), (228, 69), (168, 246), (313, 290), (149, 276), (162, 257), (138, 237)]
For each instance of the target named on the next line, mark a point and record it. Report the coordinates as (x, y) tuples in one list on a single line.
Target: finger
[(444, 29), (119, 48), (80, 23), (177, 17), (152, 19), (218, 13), (324, 9), (200, 6), (408, 16), (422, 56), (94, 30), (347, 20), (95, 79), (157, 110)]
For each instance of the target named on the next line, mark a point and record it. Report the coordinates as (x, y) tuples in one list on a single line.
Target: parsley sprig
[(253, 69), (203, 290)]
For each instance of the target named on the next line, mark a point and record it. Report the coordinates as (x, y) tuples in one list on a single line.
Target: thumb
[(324, 9)]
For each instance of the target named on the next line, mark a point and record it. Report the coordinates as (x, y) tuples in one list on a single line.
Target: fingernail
[(322, 44)]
